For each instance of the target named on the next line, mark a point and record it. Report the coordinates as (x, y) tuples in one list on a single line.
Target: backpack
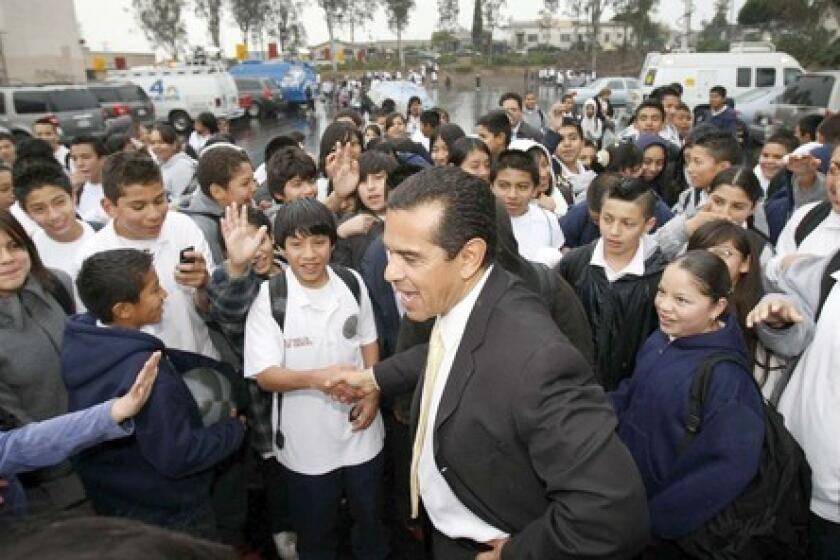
[(811, 220), (769, 520), (827, 283), (278, 291)]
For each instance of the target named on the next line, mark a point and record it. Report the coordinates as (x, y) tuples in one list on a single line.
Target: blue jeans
[(314, 502)]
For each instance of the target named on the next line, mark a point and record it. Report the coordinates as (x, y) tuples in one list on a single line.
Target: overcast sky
[(111, 25)]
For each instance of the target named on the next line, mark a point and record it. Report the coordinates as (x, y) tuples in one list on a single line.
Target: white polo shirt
[(538, 235), (58, 254), (181, 327), (323, 327)]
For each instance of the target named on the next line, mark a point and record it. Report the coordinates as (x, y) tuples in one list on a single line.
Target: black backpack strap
[(698, 392), (827, 283), (279, 295), (811, 220), (350, 279), (59, 291)]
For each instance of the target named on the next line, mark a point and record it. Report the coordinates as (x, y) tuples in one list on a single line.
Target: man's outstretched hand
[(350, 385)]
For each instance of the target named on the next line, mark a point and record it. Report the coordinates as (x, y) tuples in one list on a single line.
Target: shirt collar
[(453, 324), (300, 295), (636, 266)]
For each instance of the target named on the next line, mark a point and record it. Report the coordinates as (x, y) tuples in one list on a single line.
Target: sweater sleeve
[(42, 444), (719, 463), (231, 298), (168, 437)]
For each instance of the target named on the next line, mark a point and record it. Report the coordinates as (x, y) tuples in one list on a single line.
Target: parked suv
[(814, 92), (266, 95), (123, 102), (74, 108), (625, 93)]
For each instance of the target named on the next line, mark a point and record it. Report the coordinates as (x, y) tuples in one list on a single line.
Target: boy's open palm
[(241, 244), (128, 405)]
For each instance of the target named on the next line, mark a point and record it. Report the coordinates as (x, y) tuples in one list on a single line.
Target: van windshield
[(73, 100), (813, 91)]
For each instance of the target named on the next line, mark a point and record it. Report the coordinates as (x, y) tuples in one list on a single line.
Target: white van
[(180, 93), (746, 66)]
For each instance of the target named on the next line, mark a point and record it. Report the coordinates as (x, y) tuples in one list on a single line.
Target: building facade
[(562, 34), (40, 42)]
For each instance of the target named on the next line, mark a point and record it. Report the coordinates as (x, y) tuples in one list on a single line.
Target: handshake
[(348, 384)]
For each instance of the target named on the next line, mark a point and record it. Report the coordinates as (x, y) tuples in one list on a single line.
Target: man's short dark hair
[(92, 141), (128, 168), (598, 188), (304, 217), (624, 155), (809, 124), (518, 160), (117, 142), (511, 95), (496, 122), (569, 122), (111, 277), (683, 107), (830, 129), (286, 164), (167, 132), (663, 92), (720, 90), (430, 117), (636, 191), (218, 166), (651, 103), (46, 120), (469, 207), (258, 219), (676, 86), (40, 173), (722, 146), (375, 161), (785, 138), (276, 143), (7, 136), (567, 96)]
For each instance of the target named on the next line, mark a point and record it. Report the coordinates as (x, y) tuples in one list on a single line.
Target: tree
[(249, 15), (332, 11), (211, 12), (715, 35), (397, 12), (359, 13), (635, 15), (161, 23), (492, 11), (477, 26), (591, 11), (448, 11), (283, 23)]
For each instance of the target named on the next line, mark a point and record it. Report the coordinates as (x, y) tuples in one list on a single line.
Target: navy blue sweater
[(684, 491), (165, 468)]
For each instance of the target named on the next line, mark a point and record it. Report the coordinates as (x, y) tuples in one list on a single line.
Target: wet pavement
[(464, 105)]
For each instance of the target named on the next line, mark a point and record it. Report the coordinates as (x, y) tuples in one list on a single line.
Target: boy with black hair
[(225, 177), (771, 160), (564, 141), (514, 180), (719, 113), (709, 155), (327, 449), (429, 123), (671, 101), (88, 155), (163, 474), (46, 129), (616, 278), (649, 118), (532, 114), (8, 148), (495, 131), (45, 194), (291, 175), (683, 121), (512, 104), (806, 128), (137, 204)]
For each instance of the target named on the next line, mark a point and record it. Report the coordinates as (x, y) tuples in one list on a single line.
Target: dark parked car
[(74, 109), (123, 102), (266, 95)]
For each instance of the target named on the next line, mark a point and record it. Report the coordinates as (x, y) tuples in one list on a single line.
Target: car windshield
[(73, 100), (812, 91)]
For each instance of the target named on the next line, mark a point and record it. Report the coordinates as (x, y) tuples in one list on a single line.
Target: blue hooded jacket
[(686, 490), (165, 468)]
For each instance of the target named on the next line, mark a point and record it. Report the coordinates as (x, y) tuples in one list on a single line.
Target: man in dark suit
[(515, 453), (512, 104)]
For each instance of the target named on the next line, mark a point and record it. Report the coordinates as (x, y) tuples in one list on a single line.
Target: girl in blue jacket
[(686, 488)]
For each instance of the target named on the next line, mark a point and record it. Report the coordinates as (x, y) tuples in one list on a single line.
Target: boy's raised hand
[(774, 312), (128, 405), (241, 244)]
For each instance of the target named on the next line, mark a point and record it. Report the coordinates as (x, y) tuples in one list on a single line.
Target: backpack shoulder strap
[(827, 282), (279, 294), (699, 390), (62, 295), (811, 220), (350, 279)]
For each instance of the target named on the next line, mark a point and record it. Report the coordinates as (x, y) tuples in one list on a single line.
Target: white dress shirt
[(538, 235), (448, 514), (636, 266)]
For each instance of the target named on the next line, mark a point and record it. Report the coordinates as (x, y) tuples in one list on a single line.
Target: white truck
[(745, 67), (180, 93)]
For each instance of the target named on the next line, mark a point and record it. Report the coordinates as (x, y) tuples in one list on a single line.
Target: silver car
[(75, 109), (813, 93), (625, 93), (754, 107)]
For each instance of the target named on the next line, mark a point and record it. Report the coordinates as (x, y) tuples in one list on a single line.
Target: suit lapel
[(463, 366)]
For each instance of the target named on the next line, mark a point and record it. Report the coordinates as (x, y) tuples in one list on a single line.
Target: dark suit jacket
[(524, 436), (529, 132)]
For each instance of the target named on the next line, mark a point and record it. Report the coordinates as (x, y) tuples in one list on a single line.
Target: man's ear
[(650, 224), (471, 256), (218, 193), (109, 207), (122, 311)]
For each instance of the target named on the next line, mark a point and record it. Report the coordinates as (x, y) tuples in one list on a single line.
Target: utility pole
[(686, 38)]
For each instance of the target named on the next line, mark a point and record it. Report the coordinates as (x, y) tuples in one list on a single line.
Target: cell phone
[(184, 259), (354, 413)]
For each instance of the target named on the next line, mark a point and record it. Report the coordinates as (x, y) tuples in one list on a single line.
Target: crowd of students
[(654, 247)]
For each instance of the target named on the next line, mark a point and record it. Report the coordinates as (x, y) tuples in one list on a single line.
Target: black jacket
[(621, 314), (524, 437)]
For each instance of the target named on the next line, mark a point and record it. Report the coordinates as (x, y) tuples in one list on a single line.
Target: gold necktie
[(433, 360)]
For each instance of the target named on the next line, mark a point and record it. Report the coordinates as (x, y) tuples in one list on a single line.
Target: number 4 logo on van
[(157, 88)]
